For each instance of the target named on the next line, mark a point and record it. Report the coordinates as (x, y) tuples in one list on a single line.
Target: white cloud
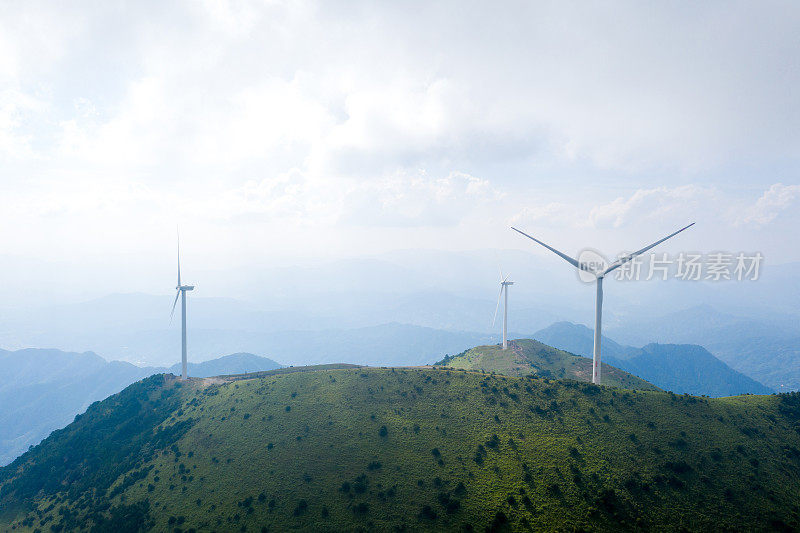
[(360, 114), (686, 202), (16, 136), (290, 198), (139, 134), (299, 198), (416, 86), (770, 205), (551, 214), (70, 197), (417, 200), (679, 204)]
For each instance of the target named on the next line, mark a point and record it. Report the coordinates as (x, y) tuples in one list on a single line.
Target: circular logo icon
[(592, 263)]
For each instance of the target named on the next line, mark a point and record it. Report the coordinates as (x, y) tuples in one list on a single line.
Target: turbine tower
[(181, 292), (599, 275), (504, 283)]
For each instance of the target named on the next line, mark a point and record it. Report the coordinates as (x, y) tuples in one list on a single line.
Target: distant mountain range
[(266, 308), (43, 390), (767, 349), (135, 328), (237, 363), (681, 368)]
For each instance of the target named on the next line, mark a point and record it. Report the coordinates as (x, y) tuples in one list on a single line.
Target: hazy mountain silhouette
[(237, 363), (682, 368), (767, 349)]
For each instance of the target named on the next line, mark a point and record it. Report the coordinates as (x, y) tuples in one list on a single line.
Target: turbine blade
[(177, 294), (619, 262), (565, 257), (499, 297)]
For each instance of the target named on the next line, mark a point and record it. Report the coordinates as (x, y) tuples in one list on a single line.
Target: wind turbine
[(181, 291), (504, 283), (599, 275)]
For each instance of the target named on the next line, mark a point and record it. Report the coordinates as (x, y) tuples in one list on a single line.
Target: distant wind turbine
[(504, 283), (599, 275), (181, 291)]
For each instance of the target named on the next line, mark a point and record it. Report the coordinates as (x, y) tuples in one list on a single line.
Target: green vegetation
[(527, 356), (409, 450)]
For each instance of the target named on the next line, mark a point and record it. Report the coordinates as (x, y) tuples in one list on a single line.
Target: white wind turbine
[(599, 275), (181, 291), (504, 283)]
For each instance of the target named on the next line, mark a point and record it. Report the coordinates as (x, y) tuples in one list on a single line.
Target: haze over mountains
[(452, 291)]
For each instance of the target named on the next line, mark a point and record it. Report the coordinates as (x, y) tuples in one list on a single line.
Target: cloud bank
[(336, 121)]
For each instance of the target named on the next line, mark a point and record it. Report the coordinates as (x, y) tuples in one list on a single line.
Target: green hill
[(527, 356), (343, 449)]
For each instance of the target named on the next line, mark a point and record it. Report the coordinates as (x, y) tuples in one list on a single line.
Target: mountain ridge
[(411, 449)]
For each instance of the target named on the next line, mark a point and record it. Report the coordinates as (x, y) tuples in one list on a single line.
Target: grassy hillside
[(409, 450), (527, 356)]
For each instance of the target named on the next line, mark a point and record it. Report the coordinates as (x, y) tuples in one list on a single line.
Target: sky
[(281, 132)]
